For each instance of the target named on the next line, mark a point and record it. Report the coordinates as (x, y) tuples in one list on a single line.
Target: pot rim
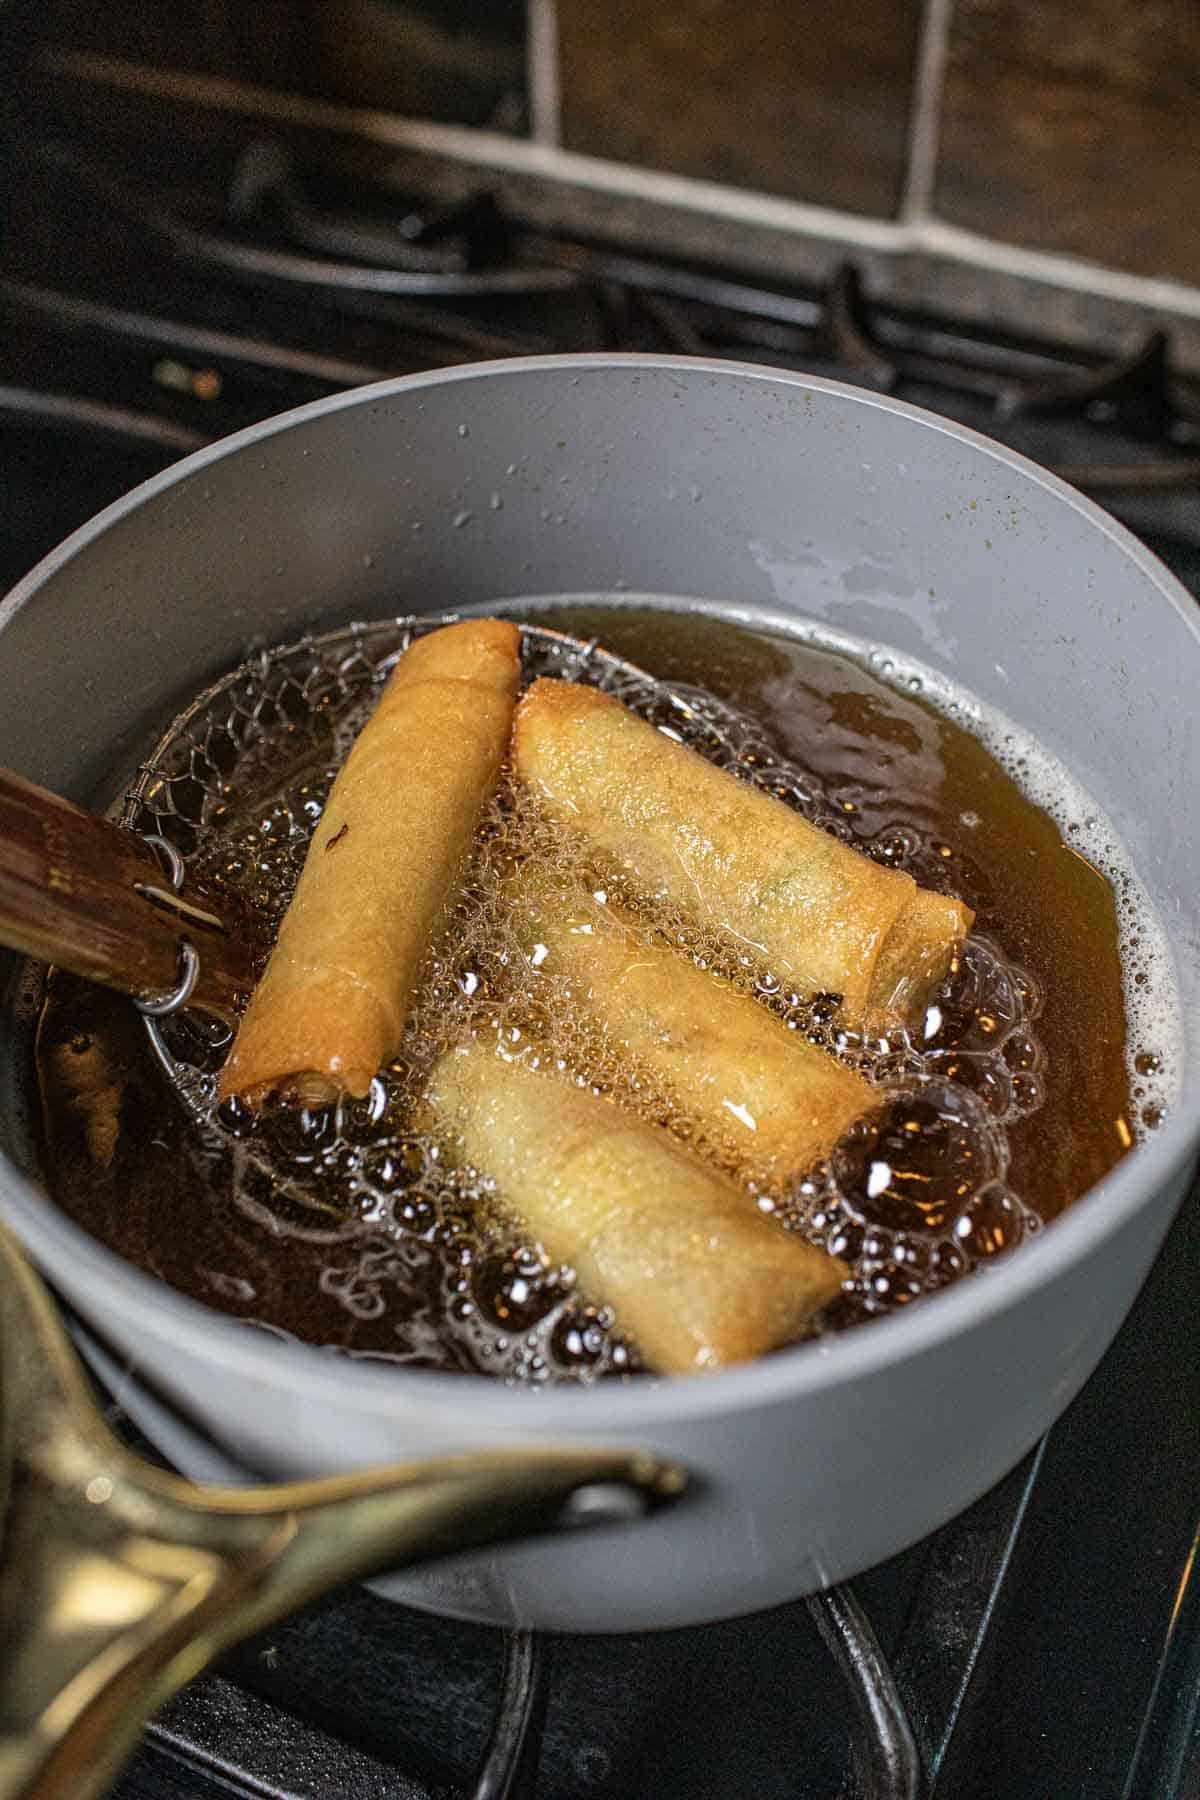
[(390, 1390)]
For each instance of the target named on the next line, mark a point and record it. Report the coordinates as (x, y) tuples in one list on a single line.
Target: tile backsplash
[(1074, 125), (809, 100), (1051, 142), (456, 60)]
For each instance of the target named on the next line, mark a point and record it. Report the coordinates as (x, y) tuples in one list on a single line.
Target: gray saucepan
[(767, 496)]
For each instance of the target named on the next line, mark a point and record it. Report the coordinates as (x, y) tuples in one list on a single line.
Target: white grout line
[(488, 149), (929, 82), (545, 95), (1156, 293)]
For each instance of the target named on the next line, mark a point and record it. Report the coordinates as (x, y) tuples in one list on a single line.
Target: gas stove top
[(1045, 1643), (156, 315)]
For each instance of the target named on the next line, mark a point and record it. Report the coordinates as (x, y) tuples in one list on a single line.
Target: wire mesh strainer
[(254, 756), (286, 717)]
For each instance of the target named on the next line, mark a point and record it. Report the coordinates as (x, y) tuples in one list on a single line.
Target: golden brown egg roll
[(694, 1273), (821, 916), (396, 829), (766, 1100)]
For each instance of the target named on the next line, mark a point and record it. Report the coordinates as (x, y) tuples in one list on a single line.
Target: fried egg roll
[(824, 918), (692, 1270), (399, 823), (766, 1100)]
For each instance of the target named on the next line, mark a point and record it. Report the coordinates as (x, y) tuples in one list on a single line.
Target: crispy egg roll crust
[(916, 954), (400, 820), (693, 1272), (769, 1102), (818, 912)]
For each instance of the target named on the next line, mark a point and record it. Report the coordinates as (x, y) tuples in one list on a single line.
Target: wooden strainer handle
[(80, 892)]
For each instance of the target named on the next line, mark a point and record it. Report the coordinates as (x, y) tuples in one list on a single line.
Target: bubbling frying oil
[(377, 1226)]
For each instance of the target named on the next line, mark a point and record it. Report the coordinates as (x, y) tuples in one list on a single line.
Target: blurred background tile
[(462, 61), (1070, 126), (805, 98), (1074, 125)]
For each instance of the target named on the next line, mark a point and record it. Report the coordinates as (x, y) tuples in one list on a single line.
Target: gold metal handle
[(120, 1582)]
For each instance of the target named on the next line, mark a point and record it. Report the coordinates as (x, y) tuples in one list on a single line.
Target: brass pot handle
[(119, 1582)]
